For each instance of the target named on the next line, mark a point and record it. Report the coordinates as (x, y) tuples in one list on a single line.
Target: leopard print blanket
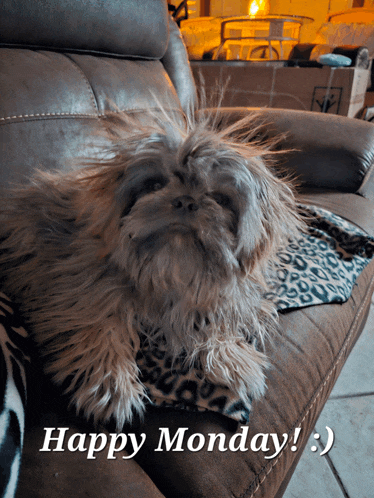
[(319, 267)]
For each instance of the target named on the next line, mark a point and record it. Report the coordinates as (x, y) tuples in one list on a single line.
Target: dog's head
[(186, 214)]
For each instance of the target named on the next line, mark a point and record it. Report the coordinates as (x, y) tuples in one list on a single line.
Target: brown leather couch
[(64, 64)]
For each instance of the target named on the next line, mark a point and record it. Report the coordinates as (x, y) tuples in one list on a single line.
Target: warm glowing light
[(258, 8), (253, 8)]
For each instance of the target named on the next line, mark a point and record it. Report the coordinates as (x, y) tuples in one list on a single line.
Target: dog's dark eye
[(146, 187), (223, 200), (156, 186), (153, 184)]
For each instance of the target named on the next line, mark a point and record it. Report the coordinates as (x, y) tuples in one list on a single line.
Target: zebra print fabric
[(13, 344)]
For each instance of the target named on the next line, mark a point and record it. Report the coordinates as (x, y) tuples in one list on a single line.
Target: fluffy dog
[(169, 235)]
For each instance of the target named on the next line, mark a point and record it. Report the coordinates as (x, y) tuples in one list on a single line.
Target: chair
[(63, 67), (246, 32)]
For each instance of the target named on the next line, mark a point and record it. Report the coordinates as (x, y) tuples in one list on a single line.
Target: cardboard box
[(265, 84)]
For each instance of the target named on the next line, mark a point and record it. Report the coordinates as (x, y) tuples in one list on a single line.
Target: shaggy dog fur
[(168, 234)]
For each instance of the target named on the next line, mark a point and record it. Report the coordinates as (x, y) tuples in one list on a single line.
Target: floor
[(347, 470)]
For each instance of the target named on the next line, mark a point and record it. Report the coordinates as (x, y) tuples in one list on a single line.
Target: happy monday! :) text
[(113, 443)]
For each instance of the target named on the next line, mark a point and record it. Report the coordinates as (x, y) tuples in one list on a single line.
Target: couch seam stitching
[(80, 114), (48, 114), (86, 80)]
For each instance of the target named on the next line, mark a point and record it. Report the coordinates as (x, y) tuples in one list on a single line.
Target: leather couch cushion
[(67, 474), (117, 27), (53, 104)]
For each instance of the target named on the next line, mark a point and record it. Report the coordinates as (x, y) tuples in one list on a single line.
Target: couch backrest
[(64, 64), (113, 27)]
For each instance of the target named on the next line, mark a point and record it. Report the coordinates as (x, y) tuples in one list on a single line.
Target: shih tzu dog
[(168, 234)]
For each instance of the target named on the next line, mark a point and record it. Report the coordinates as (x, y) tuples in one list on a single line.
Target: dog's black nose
[(185, 203)]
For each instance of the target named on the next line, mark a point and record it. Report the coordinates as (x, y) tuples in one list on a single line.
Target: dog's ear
[(56, 209), (269, 219), (39, 213), (99, 206)]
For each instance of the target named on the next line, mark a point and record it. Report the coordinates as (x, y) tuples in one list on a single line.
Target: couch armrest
[(328, 152)]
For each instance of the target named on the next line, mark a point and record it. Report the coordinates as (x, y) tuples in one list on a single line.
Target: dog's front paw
[(103, 390), (114, 398), (237, 365)]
